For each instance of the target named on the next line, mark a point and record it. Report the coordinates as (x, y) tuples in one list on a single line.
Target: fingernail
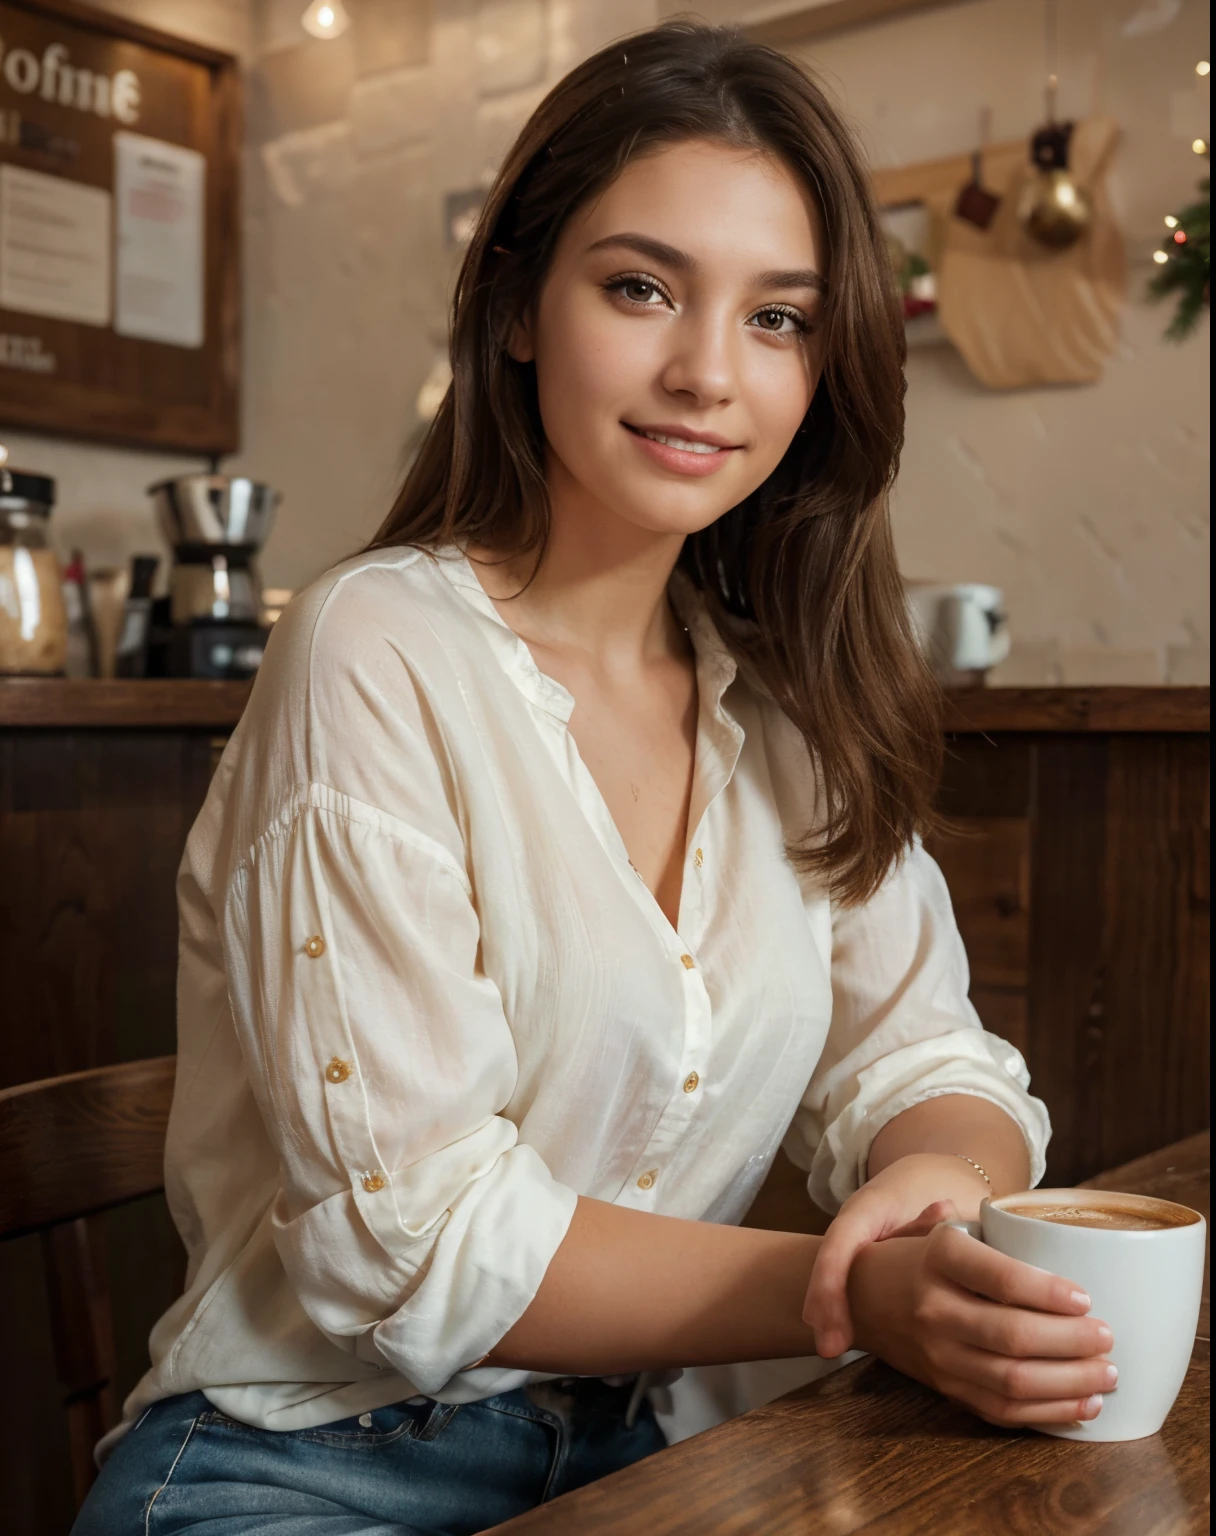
[(1080, 1299), (1092, 1406), (1112, 1375), (1105, 1336)]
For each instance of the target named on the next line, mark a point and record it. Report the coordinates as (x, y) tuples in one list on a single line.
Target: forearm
[(953, 1124), (628, 1290)]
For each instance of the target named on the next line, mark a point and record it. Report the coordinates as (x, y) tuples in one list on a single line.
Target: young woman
[(566, 863)]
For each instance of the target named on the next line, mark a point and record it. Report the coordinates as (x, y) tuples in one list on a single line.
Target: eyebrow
[(659, 250)]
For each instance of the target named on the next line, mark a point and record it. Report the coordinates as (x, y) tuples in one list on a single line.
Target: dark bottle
[(131, 657)]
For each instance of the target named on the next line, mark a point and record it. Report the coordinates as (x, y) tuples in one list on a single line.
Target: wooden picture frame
[(119, 231)]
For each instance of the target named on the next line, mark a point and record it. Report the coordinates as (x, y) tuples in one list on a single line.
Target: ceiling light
[(325, 19)]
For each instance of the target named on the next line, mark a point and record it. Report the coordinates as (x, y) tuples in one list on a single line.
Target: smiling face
[(684, 303)]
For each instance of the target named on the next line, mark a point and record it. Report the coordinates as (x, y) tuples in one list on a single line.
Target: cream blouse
[(425, 1002)]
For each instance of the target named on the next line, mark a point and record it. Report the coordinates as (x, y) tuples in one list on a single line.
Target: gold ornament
[(1053, 209)]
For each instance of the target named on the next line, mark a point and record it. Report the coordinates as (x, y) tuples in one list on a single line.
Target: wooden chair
[(70, 1148)]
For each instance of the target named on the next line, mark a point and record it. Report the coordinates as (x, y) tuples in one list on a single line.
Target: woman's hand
[(879, 1209), (1006, 1340)]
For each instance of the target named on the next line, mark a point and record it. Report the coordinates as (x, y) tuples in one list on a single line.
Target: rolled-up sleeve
[(412, 1222), (903, 1030)]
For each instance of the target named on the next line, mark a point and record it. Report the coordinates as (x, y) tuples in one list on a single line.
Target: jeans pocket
[(364, 1431)]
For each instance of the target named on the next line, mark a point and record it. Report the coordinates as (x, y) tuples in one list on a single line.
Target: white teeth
[(680, 442)]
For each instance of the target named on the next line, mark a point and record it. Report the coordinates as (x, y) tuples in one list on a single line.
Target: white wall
[(1088, 505)]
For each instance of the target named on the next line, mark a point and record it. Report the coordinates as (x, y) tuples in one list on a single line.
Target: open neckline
[(715, 670)]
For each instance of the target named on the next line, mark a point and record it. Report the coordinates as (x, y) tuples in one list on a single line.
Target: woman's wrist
[(930, 1176), (873, 1290)]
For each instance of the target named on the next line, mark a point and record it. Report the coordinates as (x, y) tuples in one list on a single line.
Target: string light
[(1170, 221), (1203, 67), (1179, 237), (1160, 257), (1200, 146)]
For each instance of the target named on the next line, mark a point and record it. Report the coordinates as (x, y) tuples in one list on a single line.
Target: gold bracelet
[(977, 1168)]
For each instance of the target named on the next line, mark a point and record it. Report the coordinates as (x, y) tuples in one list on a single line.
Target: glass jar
[(33, 620)]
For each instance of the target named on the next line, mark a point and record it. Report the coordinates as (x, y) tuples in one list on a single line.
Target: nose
[(700, 366)]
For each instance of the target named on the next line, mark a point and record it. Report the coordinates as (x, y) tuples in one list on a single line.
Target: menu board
[(119, 229)]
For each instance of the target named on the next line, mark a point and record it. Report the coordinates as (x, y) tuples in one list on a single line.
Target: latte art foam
[(1111, 1218)]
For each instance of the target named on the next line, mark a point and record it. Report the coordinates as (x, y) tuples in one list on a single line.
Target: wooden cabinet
[(1078, 866)]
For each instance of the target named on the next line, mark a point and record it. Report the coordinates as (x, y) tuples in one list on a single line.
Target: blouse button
[(691, 1083), (698, 859), (687, 962), (338, 1070), (647, 1179), (314, 948), (373, 1182)]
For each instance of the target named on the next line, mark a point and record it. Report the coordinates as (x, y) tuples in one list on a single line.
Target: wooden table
[(865, 1449)]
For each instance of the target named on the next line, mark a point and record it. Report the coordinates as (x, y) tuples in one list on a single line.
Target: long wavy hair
[(800, 577)]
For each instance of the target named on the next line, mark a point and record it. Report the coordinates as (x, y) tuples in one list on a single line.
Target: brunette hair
[(801, 577)]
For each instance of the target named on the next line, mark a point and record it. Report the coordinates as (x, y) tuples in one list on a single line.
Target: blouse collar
[(716, 666)]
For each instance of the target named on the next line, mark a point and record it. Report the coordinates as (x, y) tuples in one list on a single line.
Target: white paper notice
[(158, 192), (54, 247)]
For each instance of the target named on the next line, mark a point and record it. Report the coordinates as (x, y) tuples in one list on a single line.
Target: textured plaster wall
[(1088, 506)]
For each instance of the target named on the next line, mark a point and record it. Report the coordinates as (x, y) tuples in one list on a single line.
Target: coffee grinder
[(211, 624)]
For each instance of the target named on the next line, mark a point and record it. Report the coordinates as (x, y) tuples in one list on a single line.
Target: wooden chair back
[(70, 1148)]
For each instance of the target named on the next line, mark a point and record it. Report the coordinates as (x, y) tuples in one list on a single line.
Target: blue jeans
[(426, 1469)]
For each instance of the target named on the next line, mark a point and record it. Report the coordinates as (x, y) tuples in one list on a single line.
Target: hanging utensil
[(975, 204)]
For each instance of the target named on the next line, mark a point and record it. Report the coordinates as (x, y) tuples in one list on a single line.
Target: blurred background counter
[(1076, 854)]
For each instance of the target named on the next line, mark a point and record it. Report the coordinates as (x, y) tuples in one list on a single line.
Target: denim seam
[(541, 1415), (362, 1439), (534, 1415), (168, 1477), (440, 1416)]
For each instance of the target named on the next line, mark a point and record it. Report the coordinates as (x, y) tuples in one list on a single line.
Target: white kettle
[(962, 627)]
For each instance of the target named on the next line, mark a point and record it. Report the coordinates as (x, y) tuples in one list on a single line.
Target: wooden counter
[(866, 1449), (171, 703), (160, 704)]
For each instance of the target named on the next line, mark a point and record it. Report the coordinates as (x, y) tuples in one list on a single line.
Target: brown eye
[(799, 326), (635, 284)]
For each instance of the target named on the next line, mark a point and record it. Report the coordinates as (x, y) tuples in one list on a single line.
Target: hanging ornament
[(975, 203), (1053, 208)]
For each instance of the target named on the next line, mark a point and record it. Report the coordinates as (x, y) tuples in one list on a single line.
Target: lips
[(687, 439), (705, 459)]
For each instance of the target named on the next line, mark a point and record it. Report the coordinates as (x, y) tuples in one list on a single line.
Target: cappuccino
[(1111, 1218)]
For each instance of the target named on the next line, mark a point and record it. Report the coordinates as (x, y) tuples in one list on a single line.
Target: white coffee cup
[(961, 626), (1145, 1285)]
